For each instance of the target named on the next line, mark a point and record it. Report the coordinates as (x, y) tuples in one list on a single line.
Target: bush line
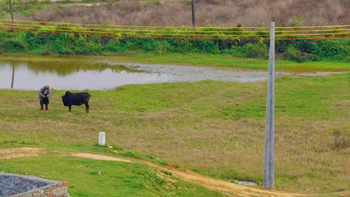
[(69, 44)]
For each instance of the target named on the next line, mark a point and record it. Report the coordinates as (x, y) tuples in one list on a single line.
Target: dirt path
[(225, 187), (12, 153), (228, 188), (98, 157)]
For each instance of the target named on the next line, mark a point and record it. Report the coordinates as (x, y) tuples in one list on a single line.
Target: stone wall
[(15, 185)]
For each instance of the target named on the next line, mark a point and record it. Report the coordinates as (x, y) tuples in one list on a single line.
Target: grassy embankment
[(86, 177), (235, 62), (211, 127), (160, 41), (184, 59)]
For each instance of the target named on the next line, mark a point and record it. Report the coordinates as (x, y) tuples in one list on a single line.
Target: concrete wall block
[(15, 185)]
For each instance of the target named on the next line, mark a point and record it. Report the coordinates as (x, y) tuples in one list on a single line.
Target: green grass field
[(86, 177), (210, 127)]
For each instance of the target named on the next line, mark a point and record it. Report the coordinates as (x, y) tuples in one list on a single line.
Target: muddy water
[(86, 73), (200, 73), (71, 75), (91, 73)]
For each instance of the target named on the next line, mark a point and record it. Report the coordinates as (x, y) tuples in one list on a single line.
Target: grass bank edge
[(93, 177), (201, 59)]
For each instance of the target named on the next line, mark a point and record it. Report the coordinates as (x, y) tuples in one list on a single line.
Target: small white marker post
[(102, 138)]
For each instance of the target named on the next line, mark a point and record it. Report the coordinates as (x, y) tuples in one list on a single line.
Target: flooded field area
[(103, 73), (70, 74), (81, 73)]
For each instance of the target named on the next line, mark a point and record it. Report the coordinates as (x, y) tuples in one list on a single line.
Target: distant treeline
[(68, 44)]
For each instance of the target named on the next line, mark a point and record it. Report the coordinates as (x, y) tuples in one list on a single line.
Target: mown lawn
[(211, 127)]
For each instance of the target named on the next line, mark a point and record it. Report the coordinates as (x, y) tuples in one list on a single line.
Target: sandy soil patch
[(12, 153), (227, 188), (98, 157)]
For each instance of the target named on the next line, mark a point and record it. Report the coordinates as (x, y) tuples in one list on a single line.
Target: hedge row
[(40, 43)]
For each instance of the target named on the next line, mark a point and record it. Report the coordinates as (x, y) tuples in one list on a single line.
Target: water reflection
[(71, 75), (13, 76)]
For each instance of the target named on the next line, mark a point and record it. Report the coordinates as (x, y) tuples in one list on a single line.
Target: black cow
[(70, 99)]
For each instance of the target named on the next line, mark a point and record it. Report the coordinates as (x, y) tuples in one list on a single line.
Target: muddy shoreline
[(200, 73)]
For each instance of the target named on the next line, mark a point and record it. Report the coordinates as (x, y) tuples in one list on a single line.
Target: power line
[(158, 32), (176, 37)]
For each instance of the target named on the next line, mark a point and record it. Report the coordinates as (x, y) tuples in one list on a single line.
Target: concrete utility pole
[(268, 181), (193, 15)]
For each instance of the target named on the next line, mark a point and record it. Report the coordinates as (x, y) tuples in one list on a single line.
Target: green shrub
[(163, 47), (332, 48), (15, 45), (294, 54), (296, 50), (116, 45), (45, 50), (251, 50)]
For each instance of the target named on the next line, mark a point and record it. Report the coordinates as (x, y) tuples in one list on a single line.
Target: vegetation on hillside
[(233, 14), (178, 12), (68, 44)]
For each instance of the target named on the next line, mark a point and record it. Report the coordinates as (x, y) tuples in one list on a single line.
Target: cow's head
[(66, 98), (65, 95)]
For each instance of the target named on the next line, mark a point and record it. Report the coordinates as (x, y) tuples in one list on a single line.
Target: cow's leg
[(69, 108), (87, 107)]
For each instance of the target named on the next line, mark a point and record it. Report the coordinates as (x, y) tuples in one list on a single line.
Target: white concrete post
[(102, 138)]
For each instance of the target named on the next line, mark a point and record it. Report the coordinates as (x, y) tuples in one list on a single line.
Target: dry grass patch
[(218, 13), (308, 145), (235, 149), (50, 132), (12, 153)]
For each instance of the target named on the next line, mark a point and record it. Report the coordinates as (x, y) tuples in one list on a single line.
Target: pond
[(70, 74), (26, 72), (89, 73)]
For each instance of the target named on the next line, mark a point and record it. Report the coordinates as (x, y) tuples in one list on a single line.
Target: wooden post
[(11, 11), (13, 76), (268, 181), (193, 15)]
